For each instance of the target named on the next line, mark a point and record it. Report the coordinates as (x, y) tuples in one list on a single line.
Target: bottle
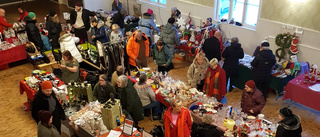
[(118, 121)]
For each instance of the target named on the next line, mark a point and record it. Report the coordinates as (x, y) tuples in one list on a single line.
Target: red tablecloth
[(123, 135), (159, 97), (299, 92), (12, 55), (30, 92)]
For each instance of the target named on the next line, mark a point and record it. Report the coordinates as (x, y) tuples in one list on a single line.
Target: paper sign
[(128, 127), (146, 134)]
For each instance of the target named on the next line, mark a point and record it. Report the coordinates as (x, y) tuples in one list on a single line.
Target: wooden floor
[(15, 121)]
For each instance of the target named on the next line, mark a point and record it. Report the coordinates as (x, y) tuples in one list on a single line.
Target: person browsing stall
[(170, 36), (197, 71), (54, 28), (162, 57), (69, 67), (45, 126), (252, 101), (138, 49), (79, 18), (103, 89), (177, 120), (215, 81), (46, 100), (146, 24), (33, 32), (147, 96), (206, 129), (129, 98), (231, 56), (98, 31), (120, 71), (289, 124)]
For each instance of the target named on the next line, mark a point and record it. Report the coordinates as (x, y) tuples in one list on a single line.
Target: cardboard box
[(180, 58)]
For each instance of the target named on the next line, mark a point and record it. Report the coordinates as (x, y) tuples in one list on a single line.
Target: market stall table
[(245, 74), (134, 134), (30, 92), (12, 55), (300, 92)]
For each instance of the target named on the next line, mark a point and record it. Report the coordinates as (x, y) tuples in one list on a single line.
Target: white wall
[(309, 50), (94, 5)]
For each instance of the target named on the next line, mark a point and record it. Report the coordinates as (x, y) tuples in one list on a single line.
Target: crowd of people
[(205, 73)]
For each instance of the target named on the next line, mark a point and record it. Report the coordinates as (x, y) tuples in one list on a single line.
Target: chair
[(150, 110)]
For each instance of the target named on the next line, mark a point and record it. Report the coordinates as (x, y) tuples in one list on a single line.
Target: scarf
[(212, 82), (179, 125)]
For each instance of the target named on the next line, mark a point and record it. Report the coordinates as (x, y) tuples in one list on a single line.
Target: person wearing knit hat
[(45, 127), (54, 29), (33, 32), (261, 68), (252, 101), (169, 34), (289, 124), (46, 100), (80, 21), (147, 24), (31, 15)]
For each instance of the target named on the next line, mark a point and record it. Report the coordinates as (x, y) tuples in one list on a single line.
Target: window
[(243, 11), (157, 2)]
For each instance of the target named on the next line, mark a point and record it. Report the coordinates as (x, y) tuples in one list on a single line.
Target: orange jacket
[(133, 48), (183, 126)]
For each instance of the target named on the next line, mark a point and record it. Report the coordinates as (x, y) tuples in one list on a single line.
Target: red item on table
[(12, 55), (123, 135)]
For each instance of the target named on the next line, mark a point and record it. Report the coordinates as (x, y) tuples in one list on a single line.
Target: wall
[(304, 14), (94, 5), (249, 38)]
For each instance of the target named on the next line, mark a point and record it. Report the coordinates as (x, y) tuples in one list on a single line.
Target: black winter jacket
[(205, 130), (33, 32), (232, 54), (40, 102), (211, 47), (85, 17), (262, 65), (289, 127), (54, 30), (130, 101)]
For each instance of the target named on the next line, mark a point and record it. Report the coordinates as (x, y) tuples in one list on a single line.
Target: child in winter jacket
[(116, 35), (45, 41)]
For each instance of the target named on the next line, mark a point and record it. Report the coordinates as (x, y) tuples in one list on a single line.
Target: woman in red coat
[(177, 120), (252, 100), (22, 13), (215, 80)]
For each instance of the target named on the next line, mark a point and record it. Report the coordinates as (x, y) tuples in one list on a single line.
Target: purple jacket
[(253, 100)]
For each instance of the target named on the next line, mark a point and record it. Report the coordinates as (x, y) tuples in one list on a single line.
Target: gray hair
[(174, 101), (213, 61), (235, 40), (123, 80), (207, 118)]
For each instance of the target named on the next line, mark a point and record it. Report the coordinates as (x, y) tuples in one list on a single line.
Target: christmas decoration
[(283, 40), (293, 47)]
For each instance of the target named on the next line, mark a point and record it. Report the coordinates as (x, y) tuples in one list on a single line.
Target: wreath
[(283, 40)]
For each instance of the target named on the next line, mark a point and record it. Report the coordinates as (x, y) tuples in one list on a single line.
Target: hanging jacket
[(68, 42), (253, 100), (162, 57), (133, 48), (197, 72), (182, 127), (289, 127), (54, 30), (262, 65), (146, 23), (169, 35), (33, 32), (232, 54)]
